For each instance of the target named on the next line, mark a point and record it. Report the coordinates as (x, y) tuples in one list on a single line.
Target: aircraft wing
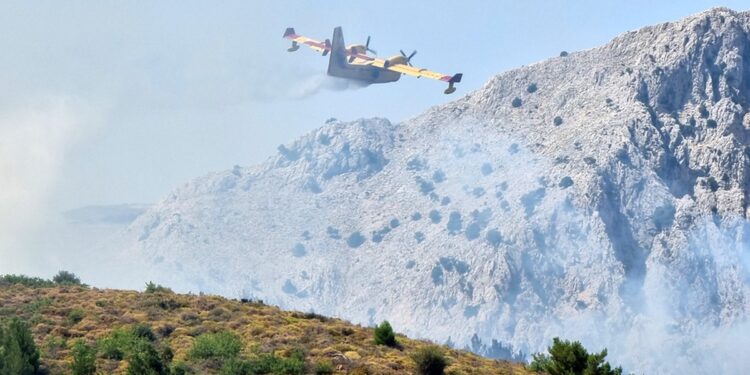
[(400, 68), (318, 46), (418, 72)]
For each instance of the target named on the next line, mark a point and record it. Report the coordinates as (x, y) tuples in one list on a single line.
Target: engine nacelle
[(356, 49), (395, 60)]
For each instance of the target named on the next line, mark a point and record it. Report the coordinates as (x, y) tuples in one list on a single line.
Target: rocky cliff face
[(600, 196)]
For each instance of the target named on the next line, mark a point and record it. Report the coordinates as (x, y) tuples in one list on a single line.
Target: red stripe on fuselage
[(315, 44)]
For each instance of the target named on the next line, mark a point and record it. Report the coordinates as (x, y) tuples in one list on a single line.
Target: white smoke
[(297, 86), (314, 84), (34, 138), (689, 316)]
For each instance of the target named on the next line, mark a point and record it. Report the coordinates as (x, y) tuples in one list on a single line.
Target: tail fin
[(455, 79), (338, 51), (289, 32)]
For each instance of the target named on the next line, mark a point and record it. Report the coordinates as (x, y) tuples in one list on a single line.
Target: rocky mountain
[(601, 196)]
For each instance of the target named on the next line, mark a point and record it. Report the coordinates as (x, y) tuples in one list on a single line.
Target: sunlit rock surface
[(609, 207)]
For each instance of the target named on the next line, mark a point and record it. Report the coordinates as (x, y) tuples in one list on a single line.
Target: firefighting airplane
[(353, 62)]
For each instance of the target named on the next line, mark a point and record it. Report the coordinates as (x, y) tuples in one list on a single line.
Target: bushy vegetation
[(430, 361), (143, 331), (62, 278), (565, 182), (571, 358), (516, 102), (267, 364), (156, 288), (31, 282), (323, 368), (223, 344), (712, 184), (160, 333), (136, 344), (75, 316), (18, 353), (384, 335), (144, 359), (557, 121), (116, 344), (531, 88), (66, 278), (84, 359)]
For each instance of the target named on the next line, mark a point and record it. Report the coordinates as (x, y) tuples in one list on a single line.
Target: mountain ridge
[(608, 200)]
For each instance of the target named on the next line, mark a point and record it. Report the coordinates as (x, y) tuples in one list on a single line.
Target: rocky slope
[(600, 196)]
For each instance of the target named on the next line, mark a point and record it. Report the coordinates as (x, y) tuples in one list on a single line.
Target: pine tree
[(384, 334), (18, 353)]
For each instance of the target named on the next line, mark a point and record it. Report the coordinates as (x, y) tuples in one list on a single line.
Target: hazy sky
[(113, 102)]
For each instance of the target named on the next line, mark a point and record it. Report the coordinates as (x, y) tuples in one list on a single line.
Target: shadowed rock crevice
[(620, 234)]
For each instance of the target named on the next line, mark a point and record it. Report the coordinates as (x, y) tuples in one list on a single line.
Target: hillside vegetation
[(157, 331)]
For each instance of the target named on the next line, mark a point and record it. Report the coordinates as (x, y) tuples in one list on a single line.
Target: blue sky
[(160, 92)]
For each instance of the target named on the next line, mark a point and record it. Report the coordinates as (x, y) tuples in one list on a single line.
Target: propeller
[(367, 46), (408, 58)]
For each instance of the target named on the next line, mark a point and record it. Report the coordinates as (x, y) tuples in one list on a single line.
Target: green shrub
[(267, 364), (53, 345), (117, 344), (223, 344), (156, 288), (84, 359), (66, 278), (145, 360), (143, 331), (384, 334), (531, 88), (557, 121), (237, 367), (294, 365), (323, 368), (31, 282), (75, 316), (167, 354), (18, 352), (181, 368), (567, 357), (38, 305), (516, 102), (430, 360), (712, 184)]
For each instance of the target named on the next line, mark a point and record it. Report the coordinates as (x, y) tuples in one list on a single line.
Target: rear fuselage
[(339, 66)]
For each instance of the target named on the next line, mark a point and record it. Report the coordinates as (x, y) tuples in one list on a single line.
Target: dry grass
[(59, 315)]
